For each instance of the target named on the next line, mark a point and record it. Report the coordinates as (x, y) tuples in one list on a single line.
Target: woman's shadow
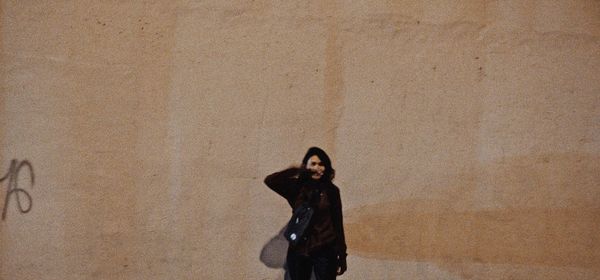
[(273, 254)]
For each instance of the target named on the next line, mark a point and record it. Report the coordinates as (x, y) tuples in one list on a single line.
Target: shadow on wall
[(273, 254)]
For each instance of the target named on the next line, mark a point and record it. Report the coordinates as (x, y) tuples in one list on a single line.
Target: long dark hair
[(329, 172)]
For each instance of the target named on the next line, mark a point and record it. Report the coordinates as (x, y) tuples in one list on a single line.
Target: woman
[(324, 248)]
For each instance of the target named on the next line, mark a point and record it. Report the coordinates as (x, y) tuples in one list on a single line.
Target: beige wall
[(466, 135)]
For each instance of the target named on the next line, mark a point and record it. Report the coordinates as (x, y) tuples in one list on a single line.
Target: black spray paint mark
[(13, 186)]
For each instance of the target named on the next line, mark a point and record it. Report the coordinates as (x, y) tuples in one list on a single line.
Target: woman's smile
[(316, 167)]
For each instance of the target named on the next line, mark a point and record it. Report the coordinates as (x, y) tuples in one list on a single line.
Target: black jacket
[(288, 184)]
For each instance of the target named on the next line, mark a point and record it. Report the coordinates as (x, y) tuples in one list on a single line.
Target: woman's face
[(316, 166)]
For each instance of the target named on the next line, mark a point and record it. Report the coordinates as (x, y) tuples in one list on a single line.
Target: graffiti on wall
[(13, 191)]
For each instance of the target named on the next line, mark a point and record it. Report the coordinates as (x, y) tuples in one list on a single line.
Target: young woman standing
[(324, 247)]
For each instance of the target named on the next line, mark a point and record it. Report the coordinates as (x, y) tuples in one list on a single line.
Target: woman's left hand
[(341, 264)]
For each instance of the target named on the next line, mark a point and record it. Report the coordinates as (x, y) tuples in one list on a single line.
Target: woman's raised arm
[(284, 182)]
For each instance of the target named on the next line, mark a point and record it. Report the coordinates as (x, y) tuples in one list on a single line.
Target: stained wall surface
[(465, 134)]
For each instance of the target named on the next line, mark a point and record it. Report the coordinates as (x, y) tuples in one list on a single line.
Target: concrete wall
[(466, 136)]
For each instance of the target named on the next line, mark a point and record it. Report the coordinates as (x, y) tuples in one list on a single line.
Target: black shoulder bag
[(300, 221)]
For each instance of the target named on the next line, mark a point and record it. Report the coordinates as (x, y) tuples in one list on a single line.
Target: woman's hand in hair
[(304, 173), (296, 171)]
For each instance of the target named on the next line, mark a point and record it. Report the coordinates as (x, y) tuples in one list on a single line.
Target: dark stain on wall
[(334, 83), (543, 212)]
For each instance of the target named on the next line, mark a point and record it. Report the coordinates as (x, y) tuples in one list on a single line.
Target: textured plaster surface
[(465, 134)]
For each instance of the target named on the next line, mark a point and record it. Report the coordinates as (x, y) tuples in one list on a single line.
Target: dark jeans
[(323, 261)]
